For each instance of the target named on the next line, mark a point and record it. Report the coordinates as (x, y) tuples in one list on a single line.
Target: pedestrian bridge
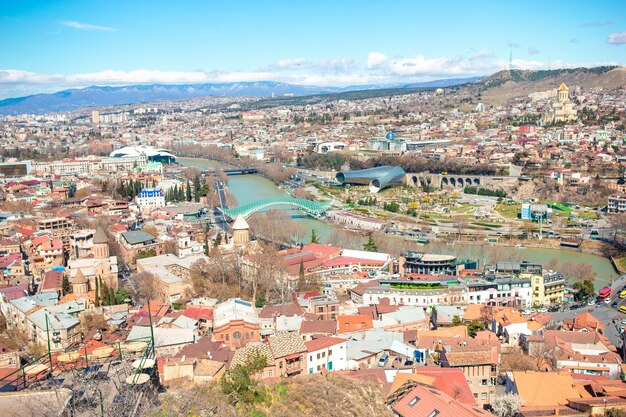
[(312, 208)]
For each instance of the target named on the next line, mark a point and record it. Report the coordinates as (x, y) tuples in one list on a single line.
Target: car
[(622, 294), (608, 301), (591, 303), (623, 321), (614, 304), (526, 312), (542, 310), (554, 309), (622, 309)]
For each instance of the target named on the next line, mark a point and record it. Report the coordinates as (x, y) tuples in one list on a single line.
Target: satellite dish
[(390, 135)]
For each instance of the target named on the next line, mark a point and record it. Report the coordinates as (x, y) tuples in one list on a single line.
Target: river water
[(249, 188)]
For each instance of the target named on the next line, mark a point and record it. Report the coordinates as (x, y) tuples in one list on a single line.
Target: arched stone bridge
[(312, 208)]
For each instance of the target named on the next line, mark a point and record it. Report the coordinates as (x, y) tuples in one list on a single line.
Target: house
[(542, 389), (314, 329), (422, 401), (444, 315), (58, 324), (236, 323), (404, 319), (9, 358), (479, 366), (289, 352), (272, 315), (167, 342), (329, 353), (585, 322), (353, 323), (136, 242), (172, 274)]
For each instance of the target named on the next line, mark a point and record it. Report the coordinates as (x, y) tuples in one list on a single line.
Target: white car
[(591, 303), (607, 301), (526, 312)]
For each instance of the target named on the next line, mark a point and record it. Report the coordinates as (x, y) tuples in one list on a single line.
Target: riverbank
[(250, 188)]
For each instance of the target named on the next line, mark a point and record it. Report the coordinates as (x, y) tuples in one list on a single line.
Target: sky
[(47, 46)]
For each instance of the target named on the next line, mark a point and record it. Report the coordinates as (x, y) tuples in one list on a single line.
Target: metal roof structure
[(312, 208)]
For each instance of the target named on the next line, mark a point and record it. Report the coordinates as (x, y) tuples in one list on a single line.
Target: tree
[(457, 321), (145, 287), (170, 246), (218, 240), (97, 301), (188, 191), (370, 245), (314, 238), (66, 287), (584, 289), (301, 277), (475, 326), (506, 405), (238, 383), (121, 295)]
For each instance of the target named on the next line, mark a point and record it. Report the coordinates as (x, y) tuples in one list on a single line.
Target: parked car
[(614, 304)]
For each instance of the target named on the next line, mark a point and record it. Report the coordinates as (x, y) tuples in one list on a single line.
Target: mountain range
[(95, 96)]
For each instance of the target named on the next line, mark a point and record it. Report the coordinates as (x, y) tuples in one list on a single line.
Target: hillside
[(95, 96), (500, 87)]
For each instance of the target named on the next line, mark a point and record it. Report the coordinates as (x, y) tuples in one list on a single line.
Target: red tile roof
[(322, 343)]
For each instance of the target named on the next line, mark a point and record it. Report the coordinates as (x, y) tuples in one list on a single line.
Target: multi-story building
[(135, 242), (329, 353), (324, 307), (423, 293), (548, 288), (236, 323), (172, 275), (480, 367), (150, 199), (513, 292), (617, 204), (411, 262)]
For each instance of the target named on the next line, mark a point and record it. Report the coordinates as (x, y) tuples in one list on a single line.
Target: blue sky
[(51, 45)]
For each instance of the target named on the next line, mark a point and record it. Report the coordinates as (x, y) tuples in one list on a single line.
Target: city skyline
[(77, 44)]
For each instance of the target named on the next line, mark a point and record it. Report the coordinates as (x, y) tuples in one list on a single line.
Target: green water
[(248, 188)]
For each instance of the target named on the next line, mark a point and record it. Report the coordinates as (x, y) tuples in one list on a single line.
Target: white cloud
[(378, 69), (617, 38), (376, 59), (86, 26), (483, 53), (533, 51)]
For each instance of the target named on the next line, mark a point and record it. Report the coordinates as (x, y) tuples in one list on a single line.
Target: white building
[(150, 199), (330, 353)]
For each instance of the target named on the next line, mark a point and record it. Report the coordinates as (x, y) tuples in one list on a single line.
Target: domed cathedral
[(560, 109), (100, 244), (241, 231)]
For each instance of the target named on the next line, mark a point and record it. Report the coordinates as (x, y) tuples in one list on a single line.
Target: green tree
[(475, 326), (370, 245), (121, 294), (188, 191), (584, 289), (301, 277), (206, 239), (457, 321), (66, 287), (97, 297), (238, 383), (314, 238)]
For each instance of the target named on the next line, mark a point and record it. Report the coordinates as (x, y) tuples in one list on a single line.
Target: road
[(220, 219), (605, 313)]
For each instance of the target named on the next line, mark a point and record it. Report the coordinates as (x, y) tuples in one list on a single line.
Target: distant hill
[(95, 96), (504, 85)]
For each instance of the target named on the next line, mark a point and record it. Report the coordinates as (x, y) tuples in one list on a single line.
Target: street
[(605, 313)]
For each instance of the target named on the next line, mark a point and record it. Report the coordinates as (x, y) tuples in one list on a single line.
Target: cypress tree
[(314, 238), (188, 191), (97, 297)]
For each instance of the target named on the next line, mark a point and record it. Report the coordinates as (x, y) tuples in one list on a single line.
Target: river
[(249, 188)]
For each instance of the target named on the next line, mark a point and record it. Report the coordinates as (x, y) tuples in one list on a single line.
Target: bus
[(604, 293)]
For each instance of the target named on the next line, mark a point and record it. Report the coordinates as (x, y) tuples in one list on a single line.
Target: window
[(318, 356), (226, 337), (310, 358), (434, 413), (280, 364), (270, 373), (236, 335), (483, 396), (483, 382), (475, 396), (414, 401), (330, 352), (323, 354)]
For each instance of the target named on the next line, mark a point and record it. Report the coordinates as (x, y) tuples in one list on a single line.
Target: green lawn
[(510, 211)]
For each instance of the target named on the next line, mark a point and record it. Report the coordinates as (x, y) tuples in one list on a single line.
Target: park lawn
[(510, 211)]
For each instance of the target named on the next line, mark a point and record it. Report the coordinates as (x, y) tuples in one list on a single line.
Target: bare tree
[(144, 287), (170, 246)]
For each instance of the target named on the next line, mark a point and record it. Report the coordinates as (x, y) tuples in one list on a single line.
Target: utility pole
[(151, 329), (48, 337)]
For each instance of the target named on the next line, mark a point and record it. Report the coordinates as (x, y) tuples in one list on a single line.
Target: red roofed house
[(353, 323), (330, 353)]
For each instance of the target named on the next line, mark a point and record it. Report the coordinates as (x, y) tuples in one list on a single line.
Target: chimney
[(556, 411)]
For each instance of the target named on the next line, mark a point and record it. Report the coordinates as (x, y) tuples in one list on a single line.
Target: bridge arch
[(312, 208)]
